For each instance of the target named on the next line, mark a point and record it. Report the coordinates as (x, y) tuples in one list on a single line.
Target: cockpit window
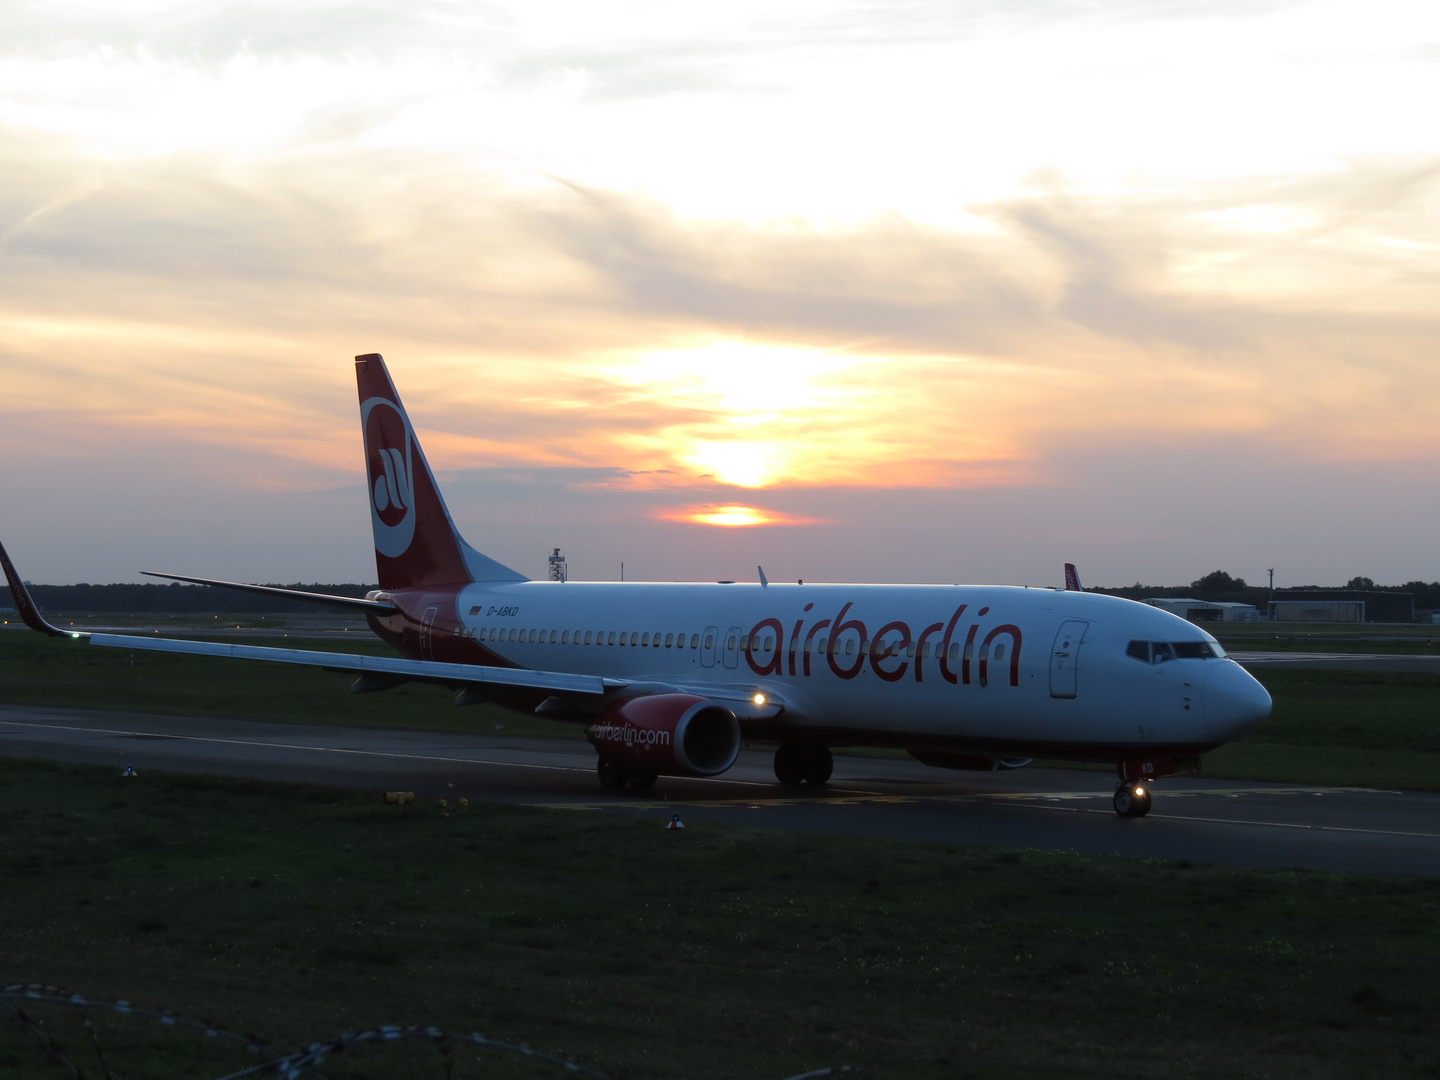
[(1158, 652)]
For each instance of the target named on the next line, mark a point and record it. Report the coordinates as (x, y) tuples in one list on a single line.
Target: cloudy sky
[(856, 291)]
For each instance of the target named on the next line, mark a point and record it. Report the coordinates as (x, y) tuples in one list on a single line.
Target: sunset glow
[(734, 517), (880, 267)]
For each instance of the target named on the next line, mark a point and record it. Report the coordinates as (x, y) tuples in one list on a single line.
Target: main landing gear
[(1132, 800), (803, 764), (615, 776)]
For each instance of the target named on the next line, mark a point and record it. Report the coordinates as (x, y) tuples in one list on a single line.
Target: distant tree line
[(1220, 587), (189, 599), (175, 599)]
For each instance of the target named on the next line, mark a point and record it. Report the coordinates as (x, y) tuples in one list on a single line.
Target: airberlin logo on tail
[(390, 456)]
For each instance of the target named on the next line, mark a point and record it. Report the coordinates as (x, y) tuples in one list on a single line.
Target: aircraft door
[(1065, 658), (707, 646), (730, 652), (427, 631)]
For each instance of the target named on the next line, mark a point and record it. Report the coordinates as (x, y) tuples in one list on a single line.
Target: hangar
[(1198, 611), (1342, 605)]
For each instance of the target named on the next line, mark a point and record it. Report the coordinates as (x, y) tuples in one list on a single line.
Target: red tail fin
[(1072, 579), (415, 541)]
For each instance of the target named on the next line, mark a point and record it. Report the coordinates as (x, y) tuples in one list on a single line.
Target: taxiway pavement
[(1212, 821)]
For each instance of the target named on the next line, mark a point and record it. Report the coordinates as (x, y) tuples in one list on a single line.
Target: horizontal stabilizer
[(355, 603)]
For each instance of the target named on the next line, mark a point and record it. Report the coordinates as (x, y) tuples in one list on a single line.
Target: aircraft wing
[(353, 603), (558, 682), (743, 700)]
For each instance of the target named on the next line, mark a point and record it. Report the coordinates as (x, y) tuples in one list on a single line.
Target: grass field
[(1328, 727), (1414, 639), (1367, 729), (296, 913)]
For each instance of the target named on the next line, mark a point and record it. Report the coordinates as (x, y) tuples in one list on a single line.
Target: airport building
[(1341, 605), (1198, 611)]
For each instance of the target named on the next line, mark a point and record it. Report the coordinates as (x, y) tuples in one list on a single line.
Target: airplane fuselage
[(993, 669)]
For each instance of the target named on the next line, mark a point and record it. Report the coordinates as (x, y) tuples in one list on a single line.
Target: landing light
[(759, 699), (1140, 791)]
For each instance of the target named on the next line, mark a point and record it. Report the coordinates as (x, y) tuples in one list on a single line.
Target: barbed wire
[(297, 1063)]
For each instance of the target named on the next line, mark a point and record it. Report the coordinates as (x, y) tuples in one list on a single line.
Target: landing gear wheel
[(790, 765), (612, 776), (644, 779), (819, 764), (1132, 800)]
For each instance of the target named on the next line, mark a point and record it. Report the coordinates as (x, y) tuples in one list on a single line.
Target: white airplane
[(669, 678)]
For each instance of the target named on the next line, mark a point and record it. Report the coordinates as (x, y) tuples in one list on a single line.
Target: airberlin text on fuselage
[(630, 735), (893, 652)]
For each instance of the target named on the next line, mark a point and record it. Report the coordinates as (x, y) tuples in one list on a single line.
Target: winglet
[(764, 581), (1072, 579), (25, 605)]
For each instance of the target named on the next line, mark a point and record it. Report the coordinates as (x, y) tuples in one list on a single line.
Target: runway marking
[(756, 804), (365, 753), (299, 746), (851, 797)]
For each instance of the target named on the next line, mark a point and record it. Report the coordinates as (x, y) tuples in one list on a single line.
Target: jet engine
[(670, 734)]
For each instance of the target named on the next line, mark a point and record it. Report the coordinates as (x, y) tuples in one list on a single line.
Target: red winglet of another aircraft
[(1072, 579), (26, 606)]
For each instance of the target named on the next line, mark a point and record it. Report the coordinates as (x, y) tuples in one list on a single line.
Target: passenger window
[(645, 639), (1161, 651), (532, 637), (925, 651), (822, 646), (709, 641), (669, 640), (910, 650), (512, 633), (612, 638), (794, 645), (850, 647), (552, 636), (657, 642), (1139, 650), (1000, 651), (955, 651), (769, 644), (730, 643), (694, 641), (588, 634), (565, 638)]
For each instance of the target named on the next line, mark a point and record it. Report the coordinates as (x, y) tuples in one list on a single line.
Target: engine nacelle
[(673, 734)]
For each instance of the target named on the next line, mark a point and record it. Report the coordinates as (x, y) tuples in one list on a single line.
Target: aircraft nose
[(1234, 701)]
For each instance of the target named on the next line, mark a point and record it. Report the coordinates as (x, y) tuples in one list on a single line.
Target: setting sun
[(733, 517)]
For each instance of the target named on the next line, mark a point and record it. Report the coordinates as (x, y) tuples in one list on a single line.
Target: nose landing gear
[(1132, 800)]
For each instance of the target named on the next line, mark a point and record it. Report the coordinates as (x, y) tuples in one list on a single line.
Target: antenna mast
[(558, 568)]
